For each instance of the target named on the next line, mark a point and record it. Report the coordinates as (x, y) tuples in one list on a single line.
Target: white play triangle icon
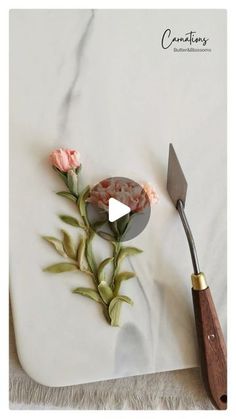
[(117, 209)]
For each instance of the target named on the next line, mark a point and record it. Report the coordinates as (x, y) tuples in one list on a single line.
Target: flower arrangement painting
[(103, 288)]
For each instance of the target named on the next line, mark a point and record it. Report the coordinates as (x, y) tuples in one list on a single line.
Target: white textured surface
[(167, 390), (101, 83)]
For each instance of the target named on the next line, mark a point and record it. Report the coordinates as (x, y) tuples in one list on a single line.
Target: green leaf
[(82, 201), (81, 255), (105, 291), (70, 220), (78, 169), (89, 253), (67, 195), (102, 266), (114, 228), (106, 314), (114, 312), (61, 267), (115, 306), (57, 244), (98, 224), (124, 276), (127, 251), (88, 292), (106, 236), (69, 245), (122, 223), (63, 175), (125, 299), (72, 179)]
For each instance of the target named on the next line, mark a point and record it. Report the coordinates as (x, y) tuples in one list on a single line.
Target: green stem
[(89, 254), (116, 288), (116, 252), (91, 261), (89, 237), (106, 312)]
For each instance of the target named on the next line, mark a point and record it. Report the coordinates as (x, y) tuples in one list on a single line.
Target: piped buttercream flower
[(151, 193), (64, 159), (78, 255), (137, 198)]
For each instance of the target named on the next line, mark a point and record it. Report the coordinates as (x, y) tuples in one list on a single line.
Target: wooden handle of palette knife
[(211, 342)]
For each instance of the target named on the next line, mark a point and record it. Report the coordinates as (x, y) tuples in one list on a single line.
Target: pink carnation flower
[(129, 193), (64, 159), (151, 193)]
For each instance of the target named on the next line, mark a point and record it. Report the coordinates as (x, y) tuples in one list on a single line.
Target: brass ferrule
[(199, 281)]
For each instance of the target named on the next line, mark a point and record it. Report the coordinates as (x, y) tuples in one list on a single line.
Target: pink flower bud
[(64, 159)]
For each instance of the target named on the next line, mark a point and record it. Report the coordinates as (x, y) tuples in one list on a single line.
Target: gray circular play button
[(118, 209)]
